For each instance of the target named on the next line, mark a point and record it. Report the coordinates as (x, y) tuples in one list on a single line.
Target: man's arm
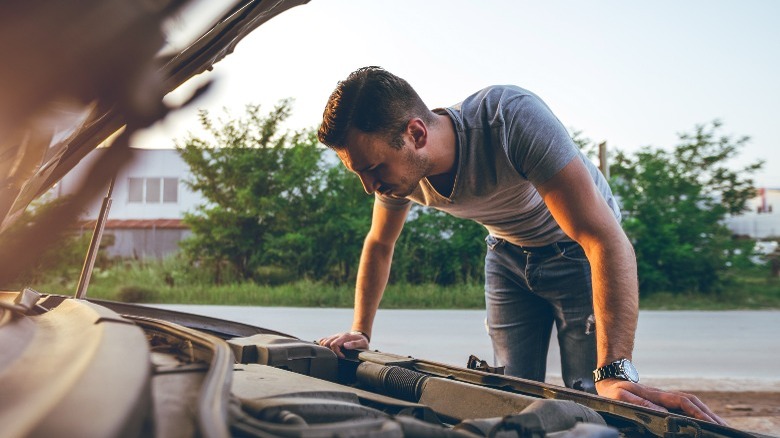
[(583, 214), (372, 276)]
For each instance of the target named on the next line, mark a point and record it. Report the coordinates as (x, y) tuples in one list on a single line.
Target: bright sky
[(631, 73)]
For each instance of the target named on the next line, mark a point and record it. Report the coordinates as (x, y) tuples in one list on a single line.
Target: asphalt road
[(737, 348)]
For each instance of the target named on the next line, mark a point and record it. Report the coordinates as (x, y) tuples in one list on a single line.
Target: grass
[(302, 293), (171, 282), (749, 289), (305, 293)]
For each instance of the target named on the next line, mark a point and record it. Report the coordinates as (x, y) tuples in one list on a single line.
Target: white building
[(762, 221), (148, 203)]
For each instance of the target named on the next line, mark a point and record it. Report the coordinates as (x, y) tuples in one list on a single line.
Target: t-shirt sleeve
[(538, 145)]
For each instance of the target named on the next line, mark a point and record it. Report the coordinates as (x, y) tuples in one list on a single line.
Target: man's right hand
[(347, 340)]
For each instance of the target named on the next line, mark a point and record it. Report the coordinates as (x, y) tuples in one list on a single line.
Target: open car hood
[(78, 75)]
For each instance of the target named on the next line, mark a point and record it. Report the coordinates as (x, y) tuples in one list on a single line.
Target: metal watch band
[(605, 372), (620, 369)]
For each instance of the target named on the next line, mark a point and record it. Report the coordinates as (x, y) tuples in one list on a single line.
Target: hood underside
[(90, 73)]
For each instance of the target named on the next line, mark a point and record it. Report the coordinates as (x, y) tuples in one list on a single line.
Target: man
[(556, 251)]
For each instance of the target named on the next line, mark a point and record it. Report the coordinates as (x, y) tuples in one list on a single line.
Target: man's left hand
[(658, 399)]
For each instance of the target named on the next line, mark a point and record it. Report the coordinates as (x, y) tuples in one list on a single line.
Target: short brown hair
[(371, 100)]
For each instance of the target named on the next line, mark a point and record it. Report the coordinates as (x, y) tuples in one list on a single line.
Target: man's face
[(382, 168)]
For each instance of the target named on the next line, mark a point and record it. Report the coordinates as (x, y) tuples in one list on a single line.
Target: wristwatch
[(621, 369)]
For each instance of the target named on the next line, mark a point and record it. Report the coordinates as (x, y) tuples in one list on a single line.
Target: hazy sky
[(631, 73)]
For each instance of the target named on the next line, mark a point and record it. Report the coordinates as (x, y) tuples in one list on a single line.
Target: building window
[(136, 190), (170, 190), (153, 190)]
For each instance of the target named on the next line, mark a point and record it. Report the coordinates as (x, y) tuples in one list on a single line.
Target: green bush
[(58, 263), (273, 275), (674, 203), (136, 294)]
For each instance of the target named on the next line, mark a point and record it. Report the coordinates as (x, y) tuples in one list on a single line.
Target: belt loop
[(492, 241)]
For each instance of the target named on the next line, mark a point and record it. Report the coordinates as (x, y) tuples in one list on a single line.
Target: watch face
[(629, 370)]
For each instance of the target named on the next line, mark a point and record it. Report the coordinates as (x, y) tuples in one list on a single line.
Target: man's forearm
[(583, 214), (373, 273), (615, 298)]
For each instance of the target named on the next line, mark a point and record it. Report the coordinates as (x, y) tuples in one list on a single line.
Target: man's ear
[(419, 132)]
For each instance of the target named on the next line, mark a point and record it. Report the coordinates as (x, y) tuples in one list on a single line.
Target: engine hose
[(394, 381)]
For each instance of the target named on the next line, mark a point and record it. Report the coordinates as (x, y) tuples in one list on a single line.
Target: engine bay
[(96, 368)]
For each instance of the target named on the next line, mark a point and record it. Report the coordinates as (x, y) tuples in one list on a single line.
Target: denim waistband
[(551, 249)]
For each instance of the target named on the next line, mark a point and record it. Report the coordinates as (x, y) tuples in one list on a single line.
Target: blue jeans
[(526, 289)]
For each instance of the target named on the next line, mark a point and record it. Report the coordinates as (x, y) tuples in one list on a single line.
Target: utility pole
[(603, 164)]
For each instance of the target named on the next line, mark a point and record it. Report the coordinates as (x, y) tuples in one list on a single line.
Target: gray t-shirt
[(508, 142)]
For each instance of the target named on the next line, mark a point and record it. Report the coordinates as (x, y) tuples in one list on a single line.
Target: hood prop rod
[(94, 243)]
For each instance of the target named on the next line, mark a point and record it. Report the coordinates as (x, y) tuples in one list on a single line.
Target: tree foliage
[(279, 209), (258, 182), (62, 262), (674, 203), (437, 247)]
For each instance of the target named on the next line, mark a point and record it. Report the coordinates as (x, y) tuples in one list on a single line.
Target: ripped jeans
[(526, 289)]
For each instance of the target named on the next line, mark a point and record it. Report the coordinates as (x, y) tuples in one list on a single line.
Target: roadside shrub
[(136, 294), (273, 275)]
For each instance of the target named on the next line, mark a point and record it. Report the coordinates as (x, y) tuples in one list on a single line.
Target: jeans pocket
[(574, 252)]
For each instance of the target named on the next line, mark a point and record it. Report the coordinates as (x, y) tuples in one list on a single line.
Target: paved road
[(728, 346)]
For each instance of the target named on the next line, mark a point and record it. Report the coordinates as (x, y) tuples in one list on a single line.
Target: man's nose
[(369, 183)]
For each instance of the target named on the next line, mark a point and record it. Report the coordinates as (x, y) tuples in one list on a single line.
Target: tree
[(277, 209), (257, 182), (438, 247), (674, 203), (344, 217), (61, 262)]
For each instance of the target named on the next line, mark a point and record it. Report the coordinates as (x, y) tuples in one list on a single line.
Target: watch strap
[(621, 369), (607, 372)]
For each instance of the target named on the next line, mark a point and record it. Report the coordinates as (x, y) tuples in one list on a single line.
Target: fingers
[(349, 341), (624, 393), (708, 411), (658, 399), (352, 345), (690, 405)]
